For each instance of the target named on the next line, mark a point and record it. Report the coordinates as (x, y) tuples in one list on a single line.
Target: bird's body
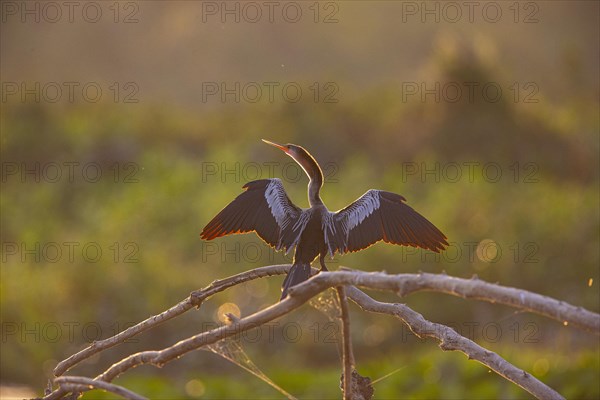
[(315, 232), (312, 240), (311, 245)]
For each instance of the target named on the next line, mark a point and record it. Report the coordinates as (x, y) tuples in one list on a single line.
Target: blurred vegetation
[(542, 214)]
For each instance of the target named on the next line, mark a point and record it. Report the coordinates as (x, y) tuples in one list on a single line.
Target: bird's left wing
[(379, 215), (264, 207)]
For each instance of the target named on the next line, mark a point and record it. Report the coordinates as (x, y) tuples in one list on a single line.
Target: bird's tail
[(298, 274)]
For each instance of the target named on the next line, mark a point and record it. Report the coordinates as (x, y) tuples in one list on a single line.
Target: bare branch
[(405, 284), (297, 296), (347, 353), (450, 340), (195, 299), (82, 384), (198, 296), (402, 284)]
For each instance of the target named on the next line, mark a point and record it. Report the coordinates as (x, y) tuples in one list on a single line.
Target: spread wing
[(379, 215), (265, 208)]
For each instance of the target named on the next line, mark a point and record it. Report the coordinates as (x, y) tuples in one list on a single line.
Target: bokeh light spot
[(195, 388), (487, 251), (227, 308)]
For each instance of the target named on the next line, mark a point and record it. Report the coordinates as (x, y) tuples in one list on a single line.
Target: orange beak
[(279, 146)]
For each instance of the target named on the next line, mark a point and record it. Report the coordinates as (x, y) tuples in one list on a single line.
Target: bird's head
[(290, 149), (301, 156), (298, 153)]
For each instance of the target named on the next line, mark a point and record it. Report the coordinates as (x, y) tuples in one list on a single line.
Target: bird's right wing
[(379, 215), (264, 207)]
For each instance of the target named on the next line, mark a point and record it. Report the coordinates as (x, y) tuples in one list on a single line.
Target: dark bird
[(265, 208)]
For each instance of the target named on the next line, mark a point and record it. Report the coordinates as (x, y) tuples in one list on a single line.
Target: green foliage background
[(542, 212)]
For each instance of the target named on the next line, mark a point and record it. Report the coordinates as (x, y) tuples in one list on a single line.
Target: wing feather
[(263, 207), (379, 215)]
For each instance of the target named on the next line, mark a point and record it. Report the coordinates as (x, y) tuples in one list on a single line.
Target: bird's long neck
[(314, 186), (315, 176)]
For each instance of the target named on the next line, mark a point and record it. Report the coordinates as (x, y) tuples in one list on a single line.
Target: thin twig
[(347, 353)]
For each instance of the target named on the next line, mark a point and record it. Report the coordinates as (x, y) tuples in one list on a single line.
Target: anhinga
[(265, 208)]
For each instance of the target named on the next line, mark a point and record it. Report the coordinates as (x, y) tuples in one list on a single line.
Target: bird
[(265, 208)]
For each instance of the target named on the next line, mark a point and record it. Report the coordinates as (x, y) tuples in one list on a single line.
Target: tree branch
[(402, 284), (195, 299), (347, 353), (296, 297), (405, 284), (82, 384), (452, 341)]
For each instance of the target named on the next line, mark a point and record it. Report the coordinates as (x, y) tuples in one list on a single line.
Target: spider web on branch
[(231, 350), (328, 303)]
